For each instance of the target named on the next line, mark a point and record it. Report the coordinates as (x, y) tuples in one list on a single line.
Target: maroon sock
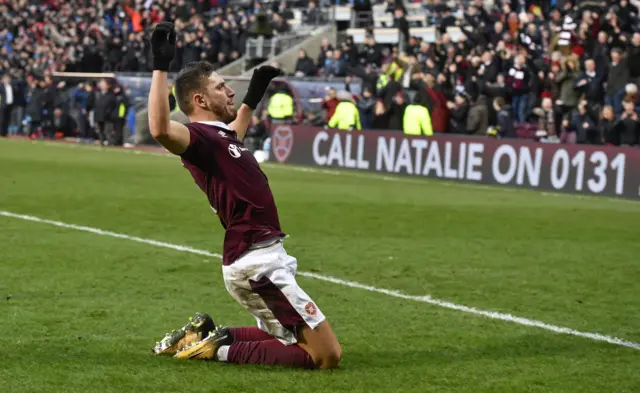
[(249, 333), (272, 353)]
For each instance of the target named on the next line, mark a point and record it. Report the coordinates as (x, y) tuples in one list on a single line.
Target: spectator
[(304, 65), (346, 115), (119, 117), (628, 128), (504, 116), (325, 48), (7, 102), (582, 127), (350, 52), (590, 83), (631, 93), (607, 126), (337, 66), (634, 58), (416, 120), (618, 78), (89, 111), (548, 118), (437, 104), (396, 110), (459, 111), (63, 124), (568, 81), (329, 104), (280, 24), (106, 105), (281, 108), (518, 80), (20, 102), (371, 54), (489, 68), (478, 119), (312, 15), (75, 36), (400, 22), (365, 106), (36, 100), (314, 119)]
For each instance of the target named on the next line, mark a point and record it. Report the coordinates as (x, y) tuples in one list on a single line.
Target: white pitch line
[(350, 284)]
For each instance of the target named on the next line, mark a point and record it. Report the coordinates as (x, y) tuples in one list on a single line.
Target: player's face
[(218, 98)]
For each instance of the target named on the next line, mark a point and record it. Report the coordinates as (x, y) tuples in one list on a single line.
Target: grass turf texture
[(80, 312)]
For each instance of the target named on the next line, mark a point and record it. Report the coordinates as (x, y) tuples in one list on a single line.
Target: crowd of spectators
[(111, 35), (560, 70), (41, 37), (563, 72)]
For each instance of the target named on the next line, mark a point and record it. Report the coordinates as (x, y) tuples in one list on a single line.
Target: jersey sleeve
[(198, 152)]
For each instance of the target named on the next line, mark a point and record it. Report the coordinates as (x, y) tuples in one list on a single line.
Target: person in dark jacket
[(400, 22), (7, 103), (365, 107), (396, 111), (629, 125), (119, 117), (459, 111), (478, 119), (607, 126), (505, 123), (36, 101), (106, 105), (371, 54), (589, 83), (89, 111), (618, 78), (304, 65), (62, 124), (584, 125)]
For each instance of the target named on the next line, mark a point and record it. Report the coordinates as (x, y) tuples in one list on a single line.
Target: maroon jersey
[(237, 189)]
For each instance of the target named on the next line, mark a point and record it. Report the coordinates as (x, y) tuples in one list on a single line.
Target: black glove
[(259, 84), (163, 45)]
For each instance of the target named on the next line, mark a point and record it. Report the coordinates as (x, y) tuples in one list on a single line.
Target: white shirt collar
[(216, 123)]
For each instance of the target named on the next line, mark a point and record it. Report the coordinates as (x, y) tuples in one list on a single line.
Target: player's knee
[(329, 358)]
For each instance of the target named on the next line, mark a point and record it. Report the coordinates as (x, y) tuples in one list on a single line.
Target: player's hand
[(259, 83), (163, 45)]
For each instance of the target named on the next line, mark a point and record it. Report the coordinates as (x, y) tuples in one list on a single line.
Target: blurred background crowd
[(559, 71)]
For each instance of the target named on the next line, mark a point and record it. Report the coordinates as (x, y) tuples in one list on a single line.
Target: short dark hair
[(191, 79)]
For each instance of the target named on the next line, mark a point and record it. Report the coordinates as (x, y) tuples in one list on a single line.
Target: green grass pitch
[(79, 311)]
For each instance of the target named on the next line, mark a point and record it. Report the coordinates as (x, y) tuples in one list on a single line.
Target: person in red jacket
[(439, 112), (330, 103)]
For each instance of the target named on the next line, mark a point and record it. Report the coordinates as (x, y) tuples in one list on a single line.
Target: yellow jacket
[(345, 116), (280, 106), (417, 121)]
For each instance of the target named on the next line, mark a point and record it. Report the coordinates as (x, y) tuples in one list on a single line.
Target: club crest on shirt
[(311, 309), (222, 134)]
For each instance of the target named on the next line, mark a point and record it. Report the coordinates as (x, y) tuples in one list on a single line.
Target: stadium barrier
[(580, 169)]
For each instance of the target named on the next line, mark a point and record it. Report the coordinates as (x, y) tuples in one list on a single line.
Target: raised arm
[(170, 134), (242, 121), (258, 85)]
